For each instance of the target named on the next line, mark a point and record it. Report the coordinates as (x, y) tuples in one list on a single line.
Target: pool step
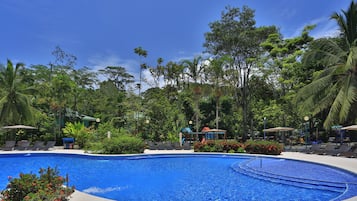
[(245, 169)]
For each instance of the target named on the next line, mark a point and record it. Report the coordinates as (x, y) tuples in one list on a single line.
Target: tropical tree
[(334, 89), (237, 36), (282, 68), (15, 104), (194, 71), (118, 76), (142, 53), (216, 77)]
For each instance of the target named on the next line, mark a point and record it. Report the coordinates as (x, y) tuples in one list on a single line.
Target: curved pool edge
[(348, 164)]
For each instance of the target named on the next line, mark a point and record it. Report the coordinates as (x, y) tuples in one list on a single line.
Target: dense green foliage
[(78, 131), (49, 185), (122, 145), (333, 91), (250, 74)]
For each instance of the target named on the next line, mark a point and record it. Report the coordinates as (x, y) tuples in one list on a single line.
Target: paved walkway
[(349, 164)]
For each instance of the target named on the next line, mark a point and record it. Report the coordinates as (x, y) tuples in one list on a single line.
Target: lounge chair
[(186, 146), (160, 146), (330, 148), (9, 145), (151, 145), (352, 153), (342, 149), (177, 146), (22, 145), (313, 149), (38, 145), (49, 145)]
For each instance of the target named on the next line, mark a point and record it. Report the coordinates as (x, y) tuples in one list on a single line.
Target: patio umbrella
[(278, 129), (19, 127), (350, 128)]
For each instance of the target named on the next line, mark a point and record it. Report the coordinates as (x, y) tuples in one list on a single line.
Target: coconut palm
[(334, 89), (194, 71), (15, 103)]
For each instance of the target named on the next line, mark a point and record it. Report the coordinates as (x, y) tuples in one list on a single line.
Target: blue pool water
[(189, 177)]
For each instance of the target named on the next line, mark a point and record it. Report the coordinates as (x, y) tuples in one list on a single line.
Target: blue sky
[(101, 33)]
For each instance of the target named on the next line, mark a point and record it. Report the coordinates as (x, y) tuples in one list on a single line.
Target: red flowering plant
[(263, 147), (219, 146), (232, 147), (29, 187)]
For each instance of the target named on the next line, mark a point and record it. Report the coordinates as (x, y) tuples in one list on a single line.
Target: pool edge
[(348, 164)]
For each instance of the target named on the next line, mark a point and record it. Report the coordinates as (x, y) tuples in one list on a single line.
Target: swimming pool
[(189, 177)]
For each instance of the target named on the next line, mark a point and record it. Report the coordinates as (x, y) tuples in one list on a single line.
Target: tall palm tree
[(334, 90), (216, 76), (194, 71), (15, 104)]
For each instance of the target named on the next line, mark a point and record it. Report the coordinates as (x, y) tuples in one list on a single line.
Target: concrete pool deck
[(349, 164)]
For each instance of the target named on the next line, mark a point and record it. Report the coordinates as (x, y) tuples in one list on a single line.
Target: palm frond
[(325, 100), (314, 88), (350, 96)]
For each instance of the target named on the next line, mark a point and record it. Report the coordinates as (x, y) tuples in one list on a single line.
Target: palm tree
[(142, 53), (15, 104), (216, 76), (195, 70), (334, 90)]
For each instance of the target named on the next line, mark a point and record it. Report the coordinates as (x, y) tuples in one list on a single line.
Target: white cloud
[(103, 190), (325, 27), (98, 62)]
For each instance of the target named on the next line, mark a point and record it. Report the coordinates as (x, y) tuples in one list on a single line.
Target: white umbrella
[(352, 128), (19, 127), (278, 129)]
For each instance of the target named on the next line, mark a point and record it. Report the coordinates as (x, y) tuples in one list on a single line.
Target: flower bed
[(253, 147)]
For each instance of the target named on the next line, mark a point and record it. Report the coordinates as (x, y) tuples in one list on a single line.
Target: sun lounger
[(151, 145), (328, 149), (22, 145), (49, 145), (186, 146), (177, 146), (313, 149), (342, 149), (352, 153), (9, 145), (38, 145)]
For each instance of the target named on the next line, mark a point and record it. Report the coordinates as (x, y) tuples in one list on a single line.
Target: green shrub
[(48, 186), (123, 145), (78, 131)]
